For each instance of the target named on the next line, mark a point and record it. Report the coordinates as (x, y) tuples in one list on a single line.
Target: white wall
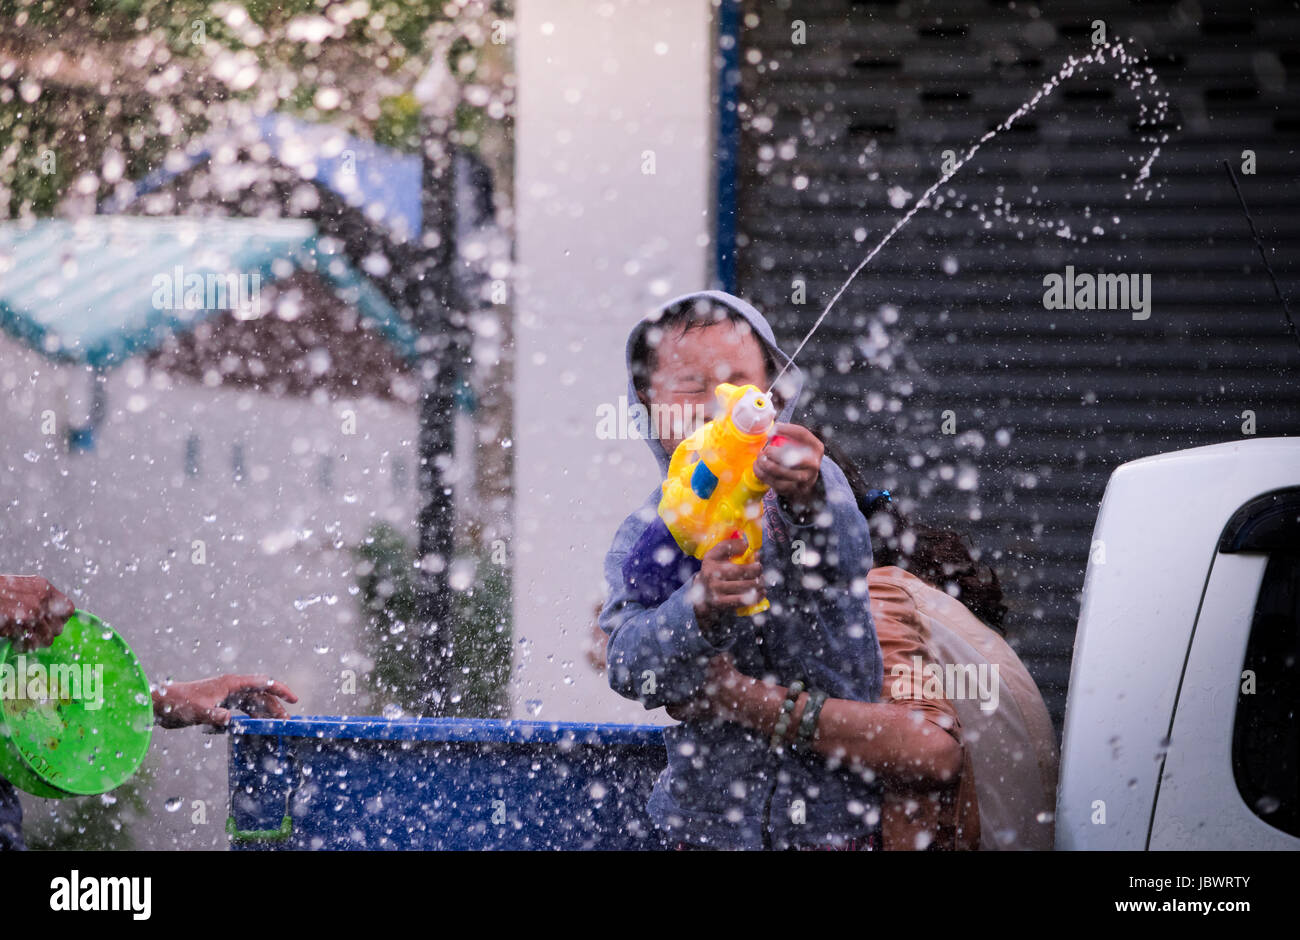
[(115, 528), (598, 244)]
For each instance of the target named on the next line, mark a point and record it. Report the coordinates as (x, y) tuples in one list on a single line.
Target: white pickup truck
[(1181, 727)]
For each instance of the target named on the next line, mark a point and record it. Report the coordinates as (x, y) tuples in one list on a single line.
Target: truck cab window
[(1266, 734)]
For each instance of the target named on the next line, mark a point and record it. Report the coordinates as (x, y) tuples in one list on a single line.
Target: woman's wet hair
[(939, 557), (684, 317)]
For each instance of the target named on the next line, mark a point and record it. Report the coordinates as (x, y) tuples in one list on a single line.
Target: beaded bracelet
[(811, 712), (783, 720)]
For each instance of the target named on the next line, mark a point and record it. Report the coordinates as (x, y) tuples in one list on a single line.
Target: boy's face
[(689, 366)]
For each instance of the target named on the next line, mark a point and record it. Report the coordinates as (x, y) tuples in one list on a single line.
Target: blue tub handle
[(260, 835), (284, 832)]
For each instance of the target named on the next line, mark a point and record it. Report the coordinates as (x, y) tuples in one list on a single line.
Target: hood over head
[(791, 384)]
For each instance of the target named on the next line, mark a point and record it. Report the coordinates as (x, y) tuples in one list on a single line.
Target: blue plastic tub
[(441, 783)]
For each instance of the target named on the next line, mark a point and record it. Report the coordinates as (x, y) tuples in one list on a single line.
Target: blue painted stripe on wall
[(728, 144)]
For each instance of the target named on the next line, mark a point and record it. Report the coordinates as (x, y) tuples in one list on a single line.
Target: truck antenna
[(1290, 322)]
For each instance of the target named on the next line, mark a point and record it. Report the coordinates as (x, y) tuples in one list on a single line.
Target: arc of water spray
[(1094, 58)]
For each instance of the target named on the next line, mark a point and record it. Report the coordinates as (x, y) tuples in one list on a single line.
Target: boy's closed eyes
[(689, 365)]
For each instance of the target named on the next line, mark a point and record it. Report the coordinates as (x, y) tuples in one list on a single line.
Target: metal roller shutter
[(1046, 402)]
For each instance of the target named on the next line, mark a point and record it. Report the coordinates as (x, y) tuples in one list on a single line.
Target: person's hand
[(721, 585), (792, 465), (693, 710), (209, 701), (32, 611), (717, 698)]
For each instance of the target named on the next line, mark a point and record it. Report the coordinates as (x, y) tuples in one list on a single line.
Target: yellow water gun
[(711, 494)]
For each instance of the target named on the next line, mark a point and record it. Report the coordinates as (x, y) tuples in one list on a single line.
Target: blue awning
[(85, 290)]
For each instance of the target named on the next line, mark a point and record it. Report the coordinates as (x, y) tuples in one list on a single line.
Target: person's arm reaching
[(908, 738), (209, 701), (33, 613), (895, 742)]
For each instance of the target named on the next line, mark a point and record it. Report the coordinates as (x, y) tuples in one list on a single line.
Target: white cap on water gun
[(753, 413)]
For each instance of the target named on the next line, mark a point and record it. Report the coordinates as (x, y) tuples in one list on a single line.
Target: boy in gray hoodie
[(667, 614)]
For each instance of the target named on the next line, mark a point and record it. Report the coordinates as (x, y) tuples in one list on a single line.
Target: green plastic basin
[(76, 717)]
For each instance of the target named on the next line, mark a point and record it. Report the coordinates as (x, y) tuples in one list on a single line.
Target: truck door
[(1231, 773)]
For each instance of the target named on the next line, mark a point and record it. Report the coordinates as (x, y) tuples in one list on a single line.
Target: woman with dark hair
[(954, 608)]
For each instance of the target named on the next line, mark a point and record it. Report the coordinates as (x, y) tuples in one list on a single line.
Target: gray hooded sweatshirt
[(723, 786)]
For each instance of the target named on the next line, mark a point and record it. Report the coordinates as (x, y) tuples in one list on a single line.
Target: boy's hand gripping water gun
[(711, 494)]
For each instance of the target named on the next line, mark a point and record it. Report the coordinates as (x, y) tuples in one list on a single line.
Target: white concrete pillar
[(605, 89)]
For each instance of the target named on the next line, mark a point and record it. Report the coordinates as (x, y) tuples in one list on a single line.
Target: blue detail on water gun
[(703, 481)]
